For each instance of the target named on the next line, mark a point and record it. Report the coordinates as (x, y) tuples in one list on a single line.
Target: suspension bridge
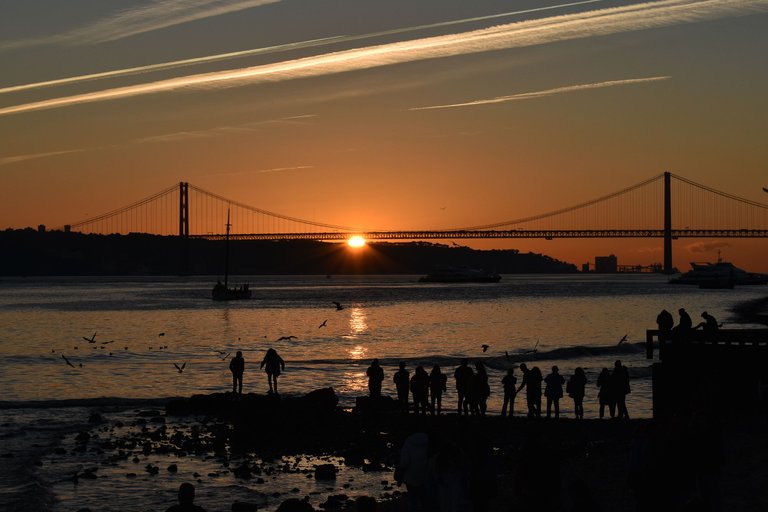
[(666, 206)]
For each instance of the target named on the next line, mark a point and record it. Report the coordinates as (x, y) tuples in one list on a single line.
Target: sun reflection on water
[(358, 321)]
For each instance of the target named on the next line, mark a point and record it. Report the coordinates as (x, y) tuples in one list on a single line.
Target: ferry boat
[(460, 275), (722, 274)]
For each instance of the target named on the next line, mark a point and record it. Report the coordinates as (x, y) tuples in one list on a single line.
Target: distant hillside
[(29, 252)]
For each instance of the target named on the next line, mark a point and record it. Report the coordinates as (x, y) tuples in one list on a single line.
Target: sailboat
[(222, 291)]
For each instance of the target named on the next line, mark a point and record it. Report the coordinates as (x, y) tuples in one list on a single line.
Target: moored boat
[(722, 274), (222, 291)]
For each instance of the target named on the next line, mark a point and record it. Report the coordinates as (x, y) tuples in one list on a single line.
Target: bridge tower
[(183, 209), (668, 223)]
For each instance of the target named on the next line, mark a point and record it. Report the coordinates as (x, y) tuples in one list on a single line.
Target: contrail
[(271, 49), (514, 35), (546, 92)]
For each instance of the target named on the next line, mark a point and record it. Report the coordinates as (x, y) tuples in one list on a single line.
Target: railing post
[(668, 267)]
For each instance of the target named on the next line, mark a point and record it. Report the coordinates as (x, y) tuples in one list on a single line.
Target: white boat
[(460, 275), (722, 274)]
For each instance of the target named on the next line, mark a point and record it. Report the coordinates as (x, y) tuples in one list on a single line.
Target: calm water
[(574, 320)]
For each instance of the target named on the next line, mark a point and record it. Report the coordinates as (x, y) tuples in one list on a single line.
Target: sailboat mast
[(226, 254)]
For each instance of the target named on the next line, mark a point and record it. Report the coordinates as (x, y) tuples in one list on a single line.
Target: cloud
[(270, 49), (138, 20), (702, 247), (513, 35), (546, 92)]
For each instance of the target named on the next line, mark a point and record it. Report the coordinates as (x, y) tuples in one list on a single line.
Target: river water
[(143, 326)]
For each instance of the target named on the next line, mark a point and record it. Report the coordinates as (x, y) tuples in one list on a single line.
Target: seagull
[(92, 339), (323, 324), (107, 342), (181, 369), (161, 334), (623, 339), (485, 347), (67, 360), (224, 357), (339, 307), (765, 189), (289, 338)]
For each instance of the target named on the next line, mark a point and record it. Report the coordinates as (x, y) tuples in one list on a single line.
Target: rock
[(82, 437), (173, 468), (95, 418), (325, 472), (295, 505), (242, 471)]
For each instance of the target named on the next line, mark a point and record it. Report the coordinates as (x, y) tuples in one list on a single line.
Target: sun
[(356, 241)]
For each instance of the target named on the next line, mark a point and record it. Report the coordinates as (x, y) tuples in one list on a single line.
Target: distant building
[(585, 267), (606, 264), (41, 228)]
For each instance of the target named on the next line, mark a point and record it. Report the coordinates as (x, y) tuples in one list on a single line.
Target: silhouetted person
[(375, 377), (437, 386), (273, 364), (575, 389), (554, 391), (709, 324), (463, 375), (420, 390), (402, 380), (482, 474), (186, 500), (449, 470), (482, 389), (620, 386), (237, 367), (366, 504), (412, 469), (682, 330), (532, 383), (510, 391), (605, 395), (665, 323)]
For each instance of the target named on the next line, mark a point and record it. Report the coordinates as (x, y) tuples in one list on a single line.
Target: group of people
[(272, 363), (473, 389), (667, 326)]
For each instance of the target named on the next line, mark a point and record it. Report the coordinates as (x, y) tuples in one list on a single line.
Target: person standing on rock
[(273, 364), (375, 377), (401, 379), (463, 375), (237, 367)]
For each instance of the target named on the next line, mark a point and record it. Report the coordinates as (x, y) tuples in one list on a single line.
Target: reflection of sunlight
[(354, 382), (358, 352), (358, 321)]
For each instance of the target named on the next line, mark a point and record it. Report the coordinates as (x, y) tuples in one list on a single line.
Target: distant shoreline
[(752, 311)]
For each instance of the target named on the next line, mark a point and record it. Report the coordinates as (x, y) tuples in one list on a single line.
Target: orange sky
[(324, 117)]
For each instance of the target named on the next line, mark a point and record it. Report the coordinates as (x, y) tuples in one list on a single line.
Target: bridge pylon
[(668, 266), (183, 209)]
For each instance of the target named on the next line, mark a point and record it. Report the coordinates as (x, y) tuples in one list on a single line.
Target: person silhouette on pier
[(375, 377), (463, 375), (510, 391), (575, 389), (605, 395), (532, 383), (620, 386), (402, 379), (683, 328), (237, 367), (420, 390), (665, 322), (709, 324), (186, 500), (437, 386), (273, 364), (554, 391)]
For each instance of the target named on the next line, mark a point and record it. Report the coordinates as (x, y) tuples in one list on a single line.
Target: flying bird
[(224, 357), (765, 189), (107, 342), (623, 339), (485, 347), (67, 360), (92, 339), (181, 369), (161, 334), (339, 307), (289, 338), (323, 324)]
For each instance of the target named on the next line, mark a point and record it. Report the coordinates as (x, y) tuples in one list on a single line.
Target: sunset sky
[(428, 114)]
